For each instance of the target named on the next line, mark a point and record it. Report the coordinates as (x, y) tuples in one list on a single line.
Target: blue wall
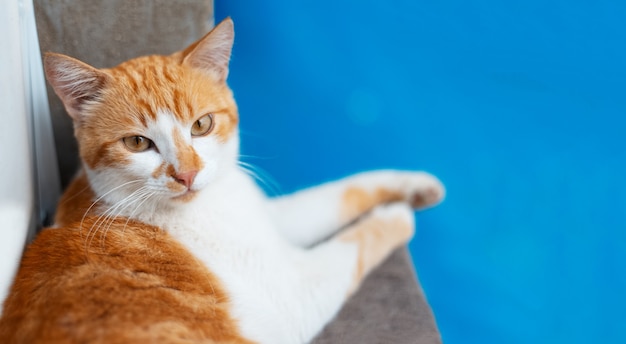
[(518, 106)]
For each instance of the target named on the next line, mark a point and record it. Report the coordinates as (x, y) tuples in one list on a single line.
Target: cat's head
[(163, 126)]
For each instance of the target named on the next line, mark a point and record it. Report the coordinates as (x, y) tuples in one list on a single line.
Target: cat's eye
[(138, 143), (202, 126)]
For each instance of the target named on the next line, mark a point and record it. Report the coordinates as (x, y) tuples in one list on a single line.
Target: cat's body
[(135, 284), (159, 143)]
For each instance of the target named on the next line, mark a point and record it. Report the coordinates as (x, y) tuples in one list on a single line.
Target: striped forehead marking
[(156, 83)]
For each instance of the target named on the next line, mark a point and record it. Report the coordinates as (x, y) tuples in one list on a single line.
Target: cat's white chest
[(231, 232), (229, 221)]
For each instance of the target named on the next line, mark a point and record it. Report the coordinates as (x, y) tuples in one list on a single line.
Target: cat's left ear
[(212, 52)]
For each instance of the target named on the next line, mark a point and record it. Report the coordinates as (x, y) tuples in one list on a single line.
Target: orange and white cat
[(163, 238)]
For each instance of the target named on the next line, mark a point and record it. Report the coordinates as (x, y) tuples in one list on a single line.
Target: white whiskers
[(106, 218), (141, 200), (261, 176)]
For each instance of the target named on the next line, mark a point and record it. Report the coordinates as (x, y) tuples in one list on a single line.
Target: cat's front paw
[(423, 190), (367, 190), (399, 219)]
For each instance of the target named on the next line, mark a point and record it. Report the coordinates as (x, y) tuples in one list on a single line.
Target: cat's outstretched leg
[(335, 269), (310, 215)]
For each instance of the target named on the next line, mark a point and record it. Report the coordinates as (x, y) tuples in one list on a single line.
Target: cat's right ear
[(75, 82)]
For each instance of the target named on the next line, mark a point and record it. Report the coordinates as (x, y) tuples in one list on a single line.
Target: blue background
[(518, 106)]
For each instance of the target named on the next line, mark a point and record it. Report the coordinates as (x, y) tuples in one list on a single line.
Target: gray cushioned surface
[(389, 308)]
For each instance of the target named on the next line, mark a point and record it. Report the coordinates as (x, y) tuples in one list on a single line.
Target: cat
[(163, 238)]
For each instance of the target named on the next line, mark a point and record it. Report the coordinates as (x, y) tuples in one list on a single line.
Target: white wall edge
[(17, 174)]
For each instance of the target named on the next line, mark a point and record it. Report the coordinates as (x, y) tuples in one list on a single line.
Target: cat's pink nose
[(186, 178)]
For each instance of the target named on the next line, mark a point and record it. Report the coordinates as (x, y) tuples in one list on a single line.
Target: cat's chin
[(186, 197)]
